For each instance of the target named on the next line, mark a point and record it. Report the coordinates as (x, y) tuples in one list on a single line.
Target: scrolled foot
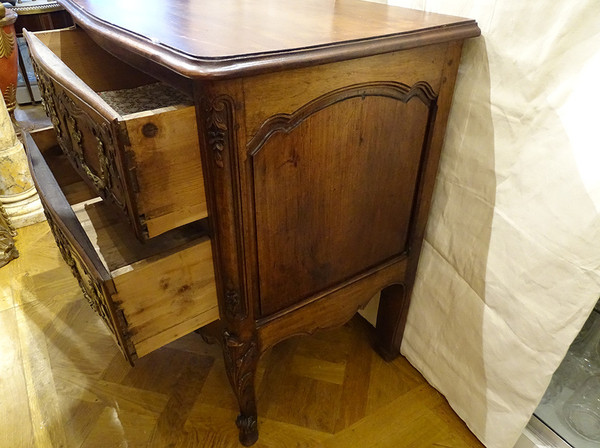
[(248, 429)]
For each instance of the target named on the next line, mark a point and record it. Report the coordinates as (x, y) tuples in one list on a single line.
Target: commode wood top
[(227, 38)]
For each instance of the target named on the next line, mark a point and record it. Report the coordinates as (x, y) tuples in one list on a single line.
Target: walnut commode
[(308, 150)]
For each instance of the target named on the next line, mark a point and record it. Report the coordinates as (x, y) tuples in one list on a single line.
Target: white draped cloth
[(510, 268)]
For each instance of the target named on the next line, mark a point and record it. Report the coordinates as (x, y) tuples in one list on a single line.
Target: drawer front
[(153, 293), (85, 128), (96, 289), (145, 162)]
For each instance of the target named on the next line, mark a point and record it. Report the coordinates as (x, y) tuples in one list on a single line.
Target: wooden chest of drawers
[(319, 125)]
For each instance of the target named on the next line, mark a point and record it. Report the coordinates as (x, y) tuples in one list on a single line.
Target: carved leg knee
[(241, 358)]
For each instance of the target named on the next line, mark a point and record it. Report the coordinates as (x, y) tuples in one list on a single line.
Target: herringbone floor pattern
[(63, 382)]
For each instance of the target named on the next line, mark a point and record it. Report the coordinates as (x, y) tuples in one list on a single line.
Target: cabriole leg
[(241, 359)]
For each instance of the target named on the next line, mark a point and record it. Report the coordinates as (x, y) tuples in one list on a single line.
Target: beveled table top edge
[(122, 42)]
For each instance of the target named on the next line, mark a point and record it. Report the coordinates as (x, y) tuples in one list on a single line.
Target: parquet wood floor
[(63, 382)]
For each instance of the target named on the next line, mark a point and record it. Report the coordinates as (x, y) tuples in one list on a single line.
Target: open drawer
[(132, 138), (148, 294)]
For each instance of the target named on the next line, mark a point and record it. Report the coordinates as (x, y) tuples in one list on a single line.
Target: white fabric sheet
[(511, 264)]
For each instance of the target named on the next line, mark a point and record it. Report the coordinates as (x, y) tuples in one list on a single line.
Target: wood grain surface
[(311, 223), (222, 38), (65, 383)]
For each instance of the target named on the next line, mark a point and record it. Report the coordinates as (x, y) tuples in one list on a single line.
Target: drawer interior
[(123, 87), (112, 237), (134, 138), (165, 286)]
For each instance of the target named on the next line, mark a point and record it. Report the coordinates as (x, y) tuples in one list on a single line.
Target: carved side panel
[(89, 142), (93, 290), (335, 187)]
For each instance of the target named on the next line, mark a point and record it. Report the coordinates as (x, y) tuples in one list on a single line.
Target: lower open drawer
[(148, 294)]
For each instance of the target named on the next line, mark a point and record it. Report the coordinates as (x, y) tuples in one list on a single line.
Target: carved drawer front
[(133, 139), (147, 294)]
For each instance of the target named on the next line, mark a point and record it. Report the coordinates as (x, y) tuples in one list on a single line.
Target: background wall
[(511, 265)]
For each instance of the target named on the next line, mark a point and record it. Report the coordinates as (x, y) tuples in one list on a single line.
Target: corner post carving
[(234, 309), (221, 169), (241, 359), (218, 126)]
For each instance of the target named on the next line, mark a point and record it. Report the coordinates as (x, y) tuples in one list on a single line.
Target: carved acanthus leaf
[(234, 309), (10, 97), (218, 125), (241, 357), (7, 43)]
